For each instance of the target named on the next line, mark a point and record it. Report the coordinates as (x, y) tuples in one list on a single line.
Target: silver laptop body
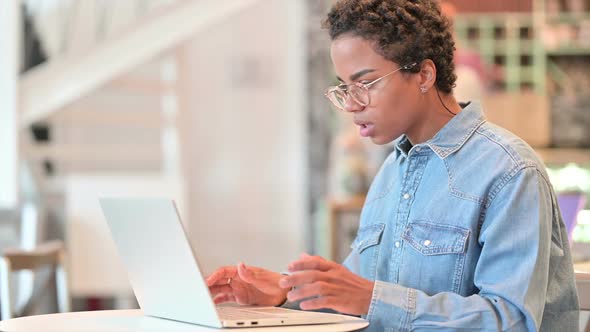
[(165, 276)]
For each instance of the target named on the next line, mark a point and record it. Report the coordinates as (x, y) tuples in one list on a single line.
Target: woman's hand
[(327, 285), (246, 285)]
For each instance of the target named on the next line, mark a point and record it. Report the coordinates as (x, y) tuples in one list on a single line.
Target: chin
[(382, 140), (379, 140)]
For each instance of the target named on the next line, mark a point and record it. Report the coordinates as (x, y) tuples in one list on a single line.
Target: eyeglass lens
[(359, 95)]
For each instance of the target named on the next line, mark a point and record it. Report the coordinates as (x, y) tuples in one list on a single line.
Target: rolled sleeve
[(392, 307)]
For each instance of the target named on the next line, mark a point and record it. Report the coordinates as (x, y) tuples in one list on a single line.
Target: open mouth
[(366, 129)]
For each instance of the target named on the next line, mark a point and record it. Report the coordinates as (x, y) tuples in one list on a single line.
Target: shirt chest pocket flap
[(367, 237), (436, 239)]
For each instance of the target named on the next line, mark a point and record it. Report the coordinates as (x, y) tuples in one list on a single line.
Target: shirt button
[(397, 244), (406, 196), (418, 149), (427, 242)]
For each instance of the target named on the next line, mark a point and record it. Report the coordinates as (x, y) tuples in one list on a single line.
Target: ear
[(427, 75)]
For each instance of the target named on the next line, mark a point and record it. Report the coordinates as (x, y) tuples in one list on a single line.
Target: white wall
[(246, 137), (9, 66)]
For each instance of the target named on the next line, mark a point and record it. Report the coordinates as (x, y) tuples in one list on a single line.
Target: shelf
[(569, 51), (476, 18), (526, 52), (563, 156), (527, 74), (568, 17), (347, 204), (517, 47), (511, 42)]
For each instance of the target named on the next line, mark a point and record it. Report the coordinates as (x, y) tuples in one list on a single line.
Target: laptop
[(165, 275)]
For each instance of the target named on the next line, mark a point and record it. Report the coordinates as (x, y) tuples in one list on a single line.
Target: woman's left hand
[(327, 285)]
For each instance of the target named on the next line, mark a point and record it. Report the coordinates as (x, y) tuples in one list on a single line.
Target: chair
[(337, 210), (49, 254), (570, 204), (583, 285)]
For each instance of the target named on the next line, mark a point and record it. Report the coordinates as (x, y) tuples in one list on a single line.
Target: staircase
[(126, 117)]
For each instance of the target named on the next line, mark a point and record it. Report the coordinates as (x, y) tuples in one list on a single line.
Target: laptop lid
[(160, 263)]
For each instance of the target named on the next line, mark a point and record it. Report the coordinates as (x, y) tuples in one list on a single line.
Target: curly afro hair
[(404, 31)]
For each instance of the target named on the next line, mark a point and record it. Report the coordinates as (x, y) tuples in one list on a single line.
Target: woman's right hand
[(246, 285)]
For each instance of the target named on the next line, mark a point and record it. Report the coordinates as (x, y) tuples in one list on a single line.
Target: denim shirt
[(463, 232)]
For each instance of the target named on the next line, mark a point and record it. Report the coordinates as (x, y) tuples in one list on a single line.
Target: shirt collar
[(453, 135)]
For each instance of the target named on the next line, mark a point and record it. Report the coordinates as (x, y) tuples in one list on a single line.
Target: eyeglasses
[(358, 91)]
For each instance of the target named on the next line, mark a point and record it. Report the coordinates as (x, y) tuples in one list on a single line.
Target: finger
[(223, 289), (307, 262), (262, 279), (316, 289), (222, 298), (253, 271), (323, 302), (221, 275), (242, 298), (303, 277), (246, 273)]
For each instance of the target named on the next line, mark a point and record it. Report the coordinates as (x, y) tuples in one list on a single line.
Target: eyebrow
[(357, 75)]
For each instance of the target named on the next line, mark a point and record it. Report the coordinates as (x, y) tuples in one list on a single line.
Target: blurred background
[(218, 104)]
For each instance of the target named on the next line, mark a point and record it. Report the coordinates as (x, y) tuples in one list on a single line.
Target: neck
[(434, 116)]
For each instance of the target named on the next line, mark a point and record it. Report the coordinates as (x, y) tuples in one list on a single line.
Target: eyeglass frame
[(362, 86)]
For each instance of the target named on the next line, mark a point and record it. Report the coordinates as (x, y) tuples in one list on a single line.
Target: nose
[(350, 105)]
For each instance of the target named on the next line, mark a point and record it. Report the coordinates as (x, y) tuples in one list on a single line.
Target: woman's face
[(394, 100)]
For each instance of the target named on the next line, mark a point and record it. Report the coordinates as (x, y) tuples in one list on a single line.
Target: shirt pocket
[(436, 239), (436, 256), (366, 245)]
